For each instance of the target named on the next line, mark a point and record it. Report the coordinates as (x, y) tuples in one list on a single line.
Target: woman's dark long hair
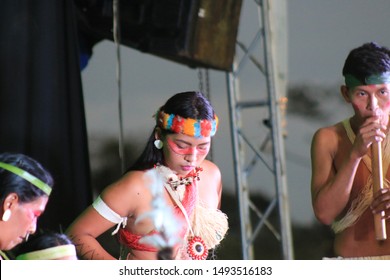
[(12, 183), (190, 104)]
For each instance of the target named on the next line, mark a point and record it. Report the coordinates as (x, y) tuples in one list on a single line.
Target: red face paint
[(33, 214), (355, 107), (185, 149), (37, 213)]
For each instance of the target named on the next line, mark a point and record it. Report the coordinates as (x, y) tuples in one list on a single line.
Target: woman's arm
[(120, 198), (84, 231)]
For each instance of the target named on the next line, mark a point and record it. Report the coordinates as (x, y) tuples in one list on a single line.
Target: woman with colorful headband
[(191, 189), (25, 187)]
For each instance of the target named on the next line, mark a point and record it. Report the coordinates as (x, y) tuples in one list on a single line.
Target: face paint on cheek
[(185, 151), (176, 149), (355, 106), (37, 213), (33, 215)]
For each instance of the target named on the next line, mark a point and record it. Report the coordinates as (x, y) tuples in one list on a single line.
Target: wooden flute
[(377, 180)]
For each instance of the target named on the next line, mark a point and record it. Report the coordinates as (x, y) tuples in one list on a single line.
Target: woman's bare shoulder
[(210, 177), (128, 191), (210, 185), (210, 169)]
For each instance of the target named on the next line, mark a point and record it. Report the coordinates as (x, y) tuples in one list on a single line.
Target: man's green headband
[(375, 79), (27, 176)]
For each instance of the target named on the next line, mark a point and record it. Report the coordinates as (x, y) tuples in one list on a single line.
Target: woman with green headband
[(25, 187), (167, 204), (46, 245), (347, 158)]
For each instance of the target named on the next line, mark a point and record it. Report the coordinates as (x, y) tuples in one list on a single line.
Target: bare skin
[(339, 174), (130, 197)]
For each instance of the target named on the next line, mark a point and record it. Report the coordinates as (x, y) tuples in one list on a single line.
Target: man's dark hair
[(366, 60)]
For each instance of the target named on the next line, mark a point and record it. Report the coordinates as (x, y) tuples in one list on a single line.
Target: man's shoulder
[(335, 130)]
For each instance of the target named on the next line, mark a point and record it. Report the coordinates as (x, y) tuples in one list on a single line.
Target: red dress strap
[(131, 240)]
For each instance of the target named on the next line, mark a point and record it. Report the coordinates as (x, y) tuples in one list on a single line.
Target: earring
[(158, 144), (6, 215)]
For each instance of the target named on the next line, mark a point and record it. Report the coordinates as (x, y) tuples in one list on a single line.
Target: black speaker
[(197, 33)]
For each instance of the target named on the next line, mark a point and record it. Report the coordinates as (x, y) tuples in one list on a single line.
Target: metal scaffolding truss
[(258, 150)]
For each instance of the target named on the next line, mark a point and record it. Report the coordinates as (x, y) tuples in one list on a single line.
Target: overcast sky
[(319, 36)]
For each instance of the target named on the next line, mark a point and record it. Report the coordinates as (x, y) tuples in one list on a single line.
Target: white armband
[(103, 209)]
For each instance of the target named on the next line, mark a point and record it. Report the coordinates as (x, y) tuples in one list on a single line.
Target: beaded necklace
[(196, 247)]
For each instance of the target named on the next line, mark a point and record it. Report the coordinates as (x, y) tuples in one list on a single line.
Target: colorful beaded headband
[(187, 126), (376, 79), (52, 253), (27, 176)]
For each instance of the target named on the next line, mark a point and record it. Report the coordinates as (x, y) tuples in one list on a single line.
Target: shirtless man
[(341, 184)]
